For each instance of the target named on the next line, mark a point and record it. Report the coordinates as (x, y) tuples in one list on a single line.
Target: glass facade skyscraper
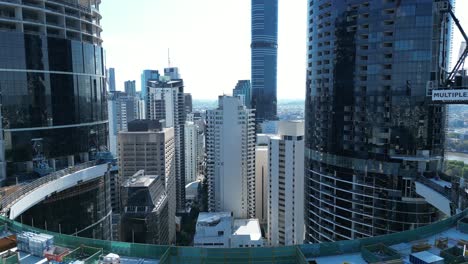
[(264, 48), (371, 129), (52, 82)]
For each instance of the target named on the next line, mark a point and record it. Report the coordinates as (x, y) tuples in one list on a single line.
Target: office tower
[(150, 147), (370, 127), (230, 148), (145, 214), (140, 108), (286, 184), (261, 178), (188, 103), (172, 73), (264, 50), (111, 79), (52, 81), (130, 88), (147, 75), (166, 102), (191, 151), (244, 89)]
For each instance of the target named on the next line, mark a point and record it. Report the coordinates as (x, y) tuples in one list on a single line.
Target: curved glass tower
[(371, 129), (264, 58), (52, 82)]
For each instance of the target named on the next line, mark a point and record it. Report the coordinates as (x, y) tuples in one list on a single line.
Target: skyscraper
[(230, 148), (191, 151), (52, 81), (286, 184), (172, 73), (166, 102), (150, 147), (111, 79), (130, 88), (264, 58), (188, 103), (244, 89), (371, 129), (147, 75)]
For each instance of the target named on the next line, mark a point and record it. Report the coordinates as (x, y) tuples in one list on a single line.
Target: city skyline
[(150, 33)]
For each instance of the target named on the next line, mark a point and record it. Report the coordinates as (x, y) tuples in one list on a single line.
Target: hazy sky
[(209, 41)]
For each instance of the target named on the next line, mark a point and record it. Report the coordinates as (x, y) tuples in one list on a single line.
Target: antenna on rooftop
[(168, 57)]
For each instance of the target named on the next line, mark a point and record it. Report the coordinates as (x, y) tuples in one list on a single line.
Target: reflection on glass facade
[(264, 58), (83, 210), (370, 128), (52, 83)]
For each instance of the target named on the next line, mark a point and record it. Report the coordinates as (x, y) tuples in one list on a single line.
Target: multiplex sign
[(450, 95)]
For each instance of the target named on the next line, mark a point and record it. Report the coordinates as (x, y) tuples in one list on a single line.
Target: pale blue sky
[(209, 41)]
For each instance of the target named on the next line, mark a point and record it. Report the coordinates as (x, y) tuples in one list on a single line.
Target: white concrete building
[(221, 230), (286, 185), (213, 230), (166, 102), (191, 151), (230, 148), (261, 178), (246, 233), (117, 111)]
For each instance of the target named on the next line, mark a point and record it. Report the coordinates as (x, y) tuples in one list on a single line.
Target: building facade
[(264, 50), (145, 210), (147, 75), (111, 79), (188, 103), (130, 88), (191, 151), (261, 178), (149, 148), (230, 148), (244, 89), (221, 230), (286, 184), (370, 126), (52, 81), (166, 102)]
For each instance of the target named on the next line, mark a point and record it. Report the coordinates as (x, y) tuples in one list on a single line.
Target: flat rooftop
[(140, 181), (249, 227)]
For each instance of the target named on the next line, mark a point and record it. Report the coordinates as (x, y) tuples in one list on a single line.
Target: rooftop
[(139, 179), (211, 218), (249, 227), (332, 252)]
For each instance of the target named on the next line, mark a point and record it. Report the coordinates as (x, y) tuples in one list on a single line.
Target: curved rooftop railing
[(289, 254), (8, 200)]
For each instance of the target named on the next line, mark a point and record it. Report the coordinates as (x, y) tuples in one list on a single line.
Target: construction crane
[(451, 90)]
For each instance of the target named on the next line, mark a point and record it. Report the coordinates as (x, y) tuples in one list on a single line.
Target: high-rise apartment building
[(52, 81), (150, 147), (166, 102), (286, 184), (230, 148), (145, 214), (130, 88), (191, 151), (111, 79), (261, 178), (244, 89), (264, 50), (371, 129)]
